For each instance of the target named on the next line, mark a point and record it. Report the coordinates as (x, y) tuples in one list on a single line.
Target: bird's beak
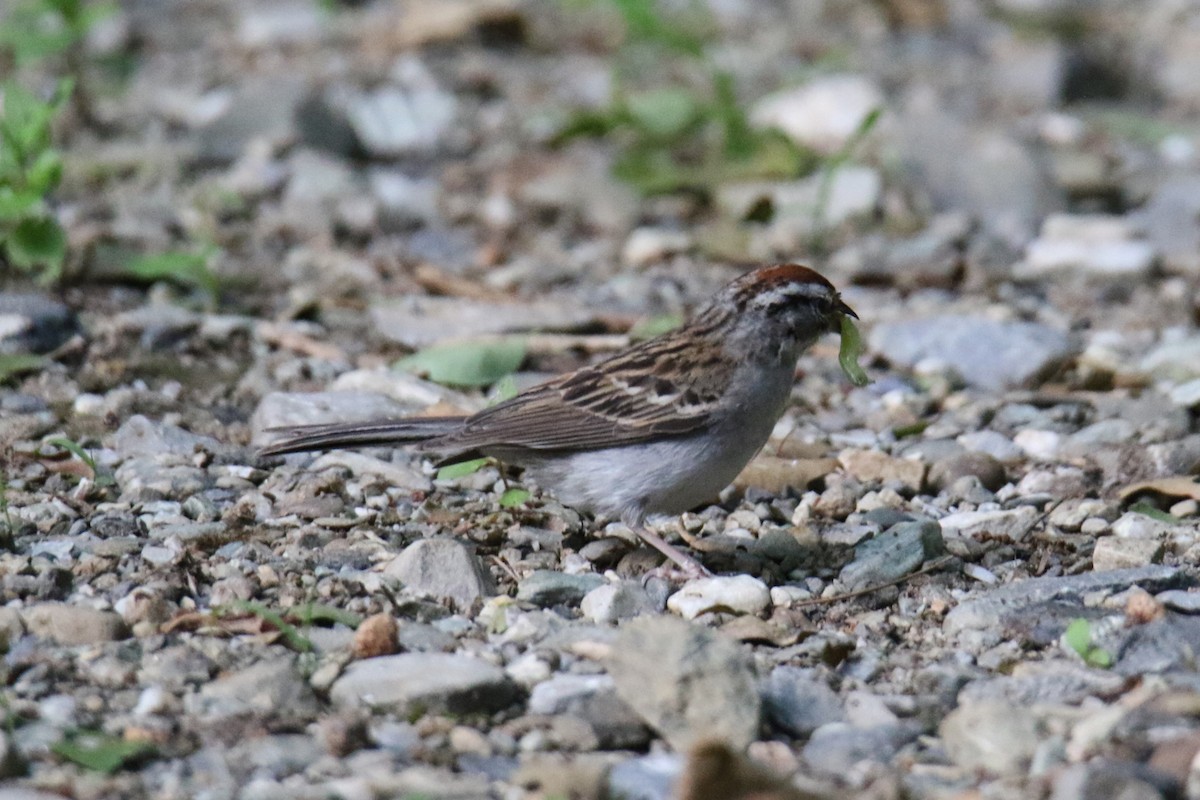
[(840, 309)]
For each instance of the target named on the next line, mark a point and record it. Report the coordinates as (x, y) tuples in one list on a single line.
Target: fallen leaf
[(1183, 486)]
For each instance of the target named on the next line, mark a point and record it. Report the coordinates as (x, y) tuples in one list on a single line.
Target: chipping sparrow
[(656, 429)]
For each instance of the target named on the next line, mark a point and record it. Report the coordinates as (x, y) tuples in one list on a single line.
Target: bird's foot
[(679, 566)]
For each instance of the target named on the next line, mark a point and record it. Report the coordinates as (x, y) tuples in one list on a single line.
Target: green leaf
[(505, 389), (19, 364), (1098, 657), (1078, 636), (45, 172), (514, 497), (15, 205), (663, 113), (296, 640), (461, 469), (655, 326), (74, 449), (98, 751), (467, 363), (309, 613), (37, 242), (188, 269), (1146, 508), (850, 351)]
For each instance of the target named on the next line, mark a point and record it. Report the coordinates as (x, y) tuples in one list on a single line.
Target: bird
[(658, 428)]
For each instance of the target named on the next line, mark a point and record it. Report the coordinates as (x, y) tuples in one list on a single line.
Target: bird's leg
[(690, 567)]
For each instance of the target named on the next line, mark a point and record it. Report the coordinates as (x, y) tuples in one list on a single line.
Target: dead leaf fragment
[(1177, 486), (776, 475)]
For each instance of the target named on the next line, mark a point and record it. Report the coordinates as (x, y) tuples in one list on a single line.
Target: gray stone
[(33, 323), (986, 468), (686, 682), (1013, 524), (1114, 552), (261, 109), (1171, 220), (997, 738), (1095, 245), (1186, 602), (73, 625), (616, 601), (12, 627), (649, 777), (1049, 683), (986, 353), (442, 568), (893, 554), (984, 609), (418, 321), (1176, 359), (139, 436), (546, 587), (835, 748), (148, 478), (272, 690), (285, 409), (412, 115), (1107, 781), (593, 699), (399, 475), (418, 682), (798, 701)]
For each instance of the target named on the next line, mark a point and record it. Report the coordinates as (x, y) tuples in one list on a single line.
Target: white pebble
[(740, 594)]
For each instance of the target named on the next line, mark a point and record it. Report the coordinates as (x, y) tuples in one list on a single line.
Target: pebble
[(988, 354), (612, 602), (73, 625), (1096, 245), (437, 682), (823, 113), (797, 701), (872, 465), (1114, 552), (740, 594), (980, 610), (892, 554), (442, 568), (1014, 524), (546, 588), (686, 682), (268, 690), (986, 468), (996, 738), (34, 323), (837, 748)]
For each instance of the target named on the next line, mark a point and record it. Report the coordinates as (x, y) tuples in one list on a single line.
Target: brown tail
[(302, 438)]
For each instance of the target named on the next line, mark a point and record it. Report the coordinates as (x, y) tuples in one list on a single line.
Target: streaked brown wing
[(620, 401)]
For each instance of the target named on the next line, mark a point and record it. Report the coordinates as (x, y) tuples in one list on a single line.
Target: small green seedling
[(1078, 637), (31, 240), (514, 497), (468, 363), (850, 351), (98, 751)]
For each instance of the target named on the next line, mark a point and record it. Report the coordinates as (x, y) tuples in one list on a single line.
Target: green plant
[(98, 751), (1078, 637), (467, 363), (681, 136), (31, 239), (37, 29), (294, 638), (181, 267), (100, 476)]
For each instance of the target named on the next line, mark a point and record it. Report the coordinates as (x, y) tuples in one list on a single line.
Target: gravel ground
[(973, 578)]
